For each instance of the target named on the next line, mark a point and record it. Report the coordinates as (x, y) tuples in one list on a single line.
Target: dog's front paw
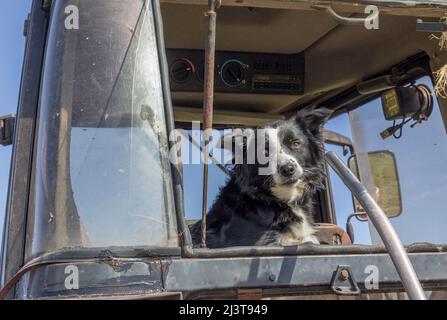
[(288, 241), (311, 239)]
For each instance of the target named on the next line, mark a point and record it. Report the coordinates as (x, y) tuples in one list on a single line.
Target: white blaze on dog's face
[(287, 170), (298, 148)]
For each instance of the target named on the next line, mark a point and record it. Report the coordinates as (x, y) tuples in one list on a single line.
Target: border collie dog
[(256, 208)]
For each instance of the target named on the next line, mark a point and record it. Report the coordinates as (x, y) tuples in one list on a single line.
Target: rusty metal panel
[(305, 272)]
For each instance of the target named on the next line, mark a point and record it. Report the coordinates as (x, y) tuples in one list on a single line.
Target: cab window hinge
[(7, 124), (26, 26), (46, 4)]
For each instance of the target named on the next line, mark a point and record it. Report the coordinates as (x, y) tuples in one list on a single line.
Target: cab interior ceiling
[(337, 56)]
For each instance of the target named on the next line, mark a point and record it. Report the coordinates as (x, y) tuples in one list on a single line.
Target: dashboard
[(238, 72)]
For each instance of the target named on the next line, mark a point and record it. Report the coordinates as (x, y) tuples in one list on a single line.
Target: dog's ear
[(313, 119)]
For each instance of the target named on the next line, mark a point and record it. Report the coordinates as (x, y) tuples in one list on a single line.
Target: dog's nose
[(288, 169)]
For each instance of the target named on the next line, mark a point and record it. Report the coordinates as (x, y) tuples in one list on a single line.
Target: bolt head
[(344, 274)]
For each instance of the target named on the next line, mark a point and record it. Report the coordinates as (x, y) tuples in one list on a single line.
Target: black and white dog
[(255, 209)]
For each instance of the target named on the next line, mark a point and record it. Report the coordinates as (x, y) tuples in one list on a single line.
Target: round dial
[(232, 73), (182, 70)]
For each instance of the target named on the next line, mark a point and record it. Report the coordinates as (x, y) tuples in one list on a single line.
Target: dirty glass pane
[(341, 195), (101, 176)]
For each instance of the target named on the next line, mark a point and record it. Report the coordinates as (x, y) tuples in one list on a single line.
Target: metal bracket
[(343, 282), (345, 20), (430, 26), (7, 124), (26, 25), (46, 4)]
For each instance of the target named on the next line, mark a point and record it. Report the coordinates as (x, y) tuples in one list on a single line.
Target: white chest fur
[(299, 232), (289, 193)]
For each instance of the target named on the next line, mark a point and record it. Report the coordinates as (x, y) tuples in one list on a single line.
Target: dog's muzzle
[(289, 173), (288, 170)]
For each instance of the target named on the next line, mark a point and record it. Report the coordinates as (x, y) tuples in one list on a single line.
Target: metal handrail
[(384, 227), (346, 20)]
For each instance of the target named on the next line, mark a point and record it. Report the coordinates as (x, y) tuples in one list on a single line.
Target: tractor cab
[(114, 155)]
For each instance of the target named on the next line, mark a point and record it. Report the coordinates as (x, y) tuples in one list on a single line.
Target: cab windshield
[(101, 174)]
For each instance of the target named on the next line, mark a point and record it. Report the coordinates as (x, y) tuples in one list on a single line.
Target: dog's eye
[(295, 145)]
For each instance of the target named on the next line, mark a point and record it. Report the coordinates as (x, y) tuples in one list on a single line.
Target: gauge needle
[(176, 72), (234, 75)]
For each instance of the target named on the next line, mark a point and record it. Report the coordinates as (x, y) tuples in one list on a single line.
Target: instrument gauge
[(232, 73), (182, 70)]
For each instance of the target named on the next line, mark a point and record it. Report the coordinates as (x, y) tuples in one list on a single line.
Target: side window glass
[(420, 153), (192, 168), (341, 196)]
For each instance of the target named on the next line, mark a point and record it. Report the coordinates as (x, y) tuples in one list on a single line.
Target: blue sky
[(13, 14)]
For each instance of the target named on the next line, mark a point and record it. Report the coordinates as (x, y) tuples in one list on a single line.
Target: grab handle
[(383, 225), (346, 20)]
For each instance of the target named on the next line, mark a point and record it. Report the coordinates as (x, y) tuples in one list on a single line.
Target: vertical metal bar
[(361, 152), (208, 97), (14, 235), (170, 126), (382, 224)]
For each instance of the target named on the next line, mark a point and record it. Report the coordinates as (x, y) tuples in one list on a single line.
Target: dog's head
[(286, 157)]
